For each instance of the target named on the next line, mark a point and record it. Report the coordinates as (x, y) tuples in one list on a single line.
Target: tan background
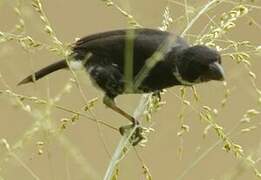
[(72, 19)]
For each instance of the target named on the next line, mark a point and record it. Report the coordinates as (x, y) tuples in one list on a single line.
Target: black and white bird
[(103, 56)]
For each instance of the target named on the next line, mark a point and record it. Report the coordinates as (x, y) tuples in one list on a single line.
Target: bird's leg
[(111, 104), (137, 137)]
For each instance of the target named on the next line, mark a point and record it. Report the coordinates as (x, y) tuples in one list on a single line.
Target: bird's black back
[(110, 46)]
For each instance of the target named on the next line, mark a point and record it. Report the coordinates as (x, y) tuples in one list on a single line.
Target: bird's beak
[(216, 72)]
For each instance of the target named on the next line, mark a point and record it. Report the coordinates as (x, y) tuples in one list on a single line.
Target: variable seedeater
[(103, 57)]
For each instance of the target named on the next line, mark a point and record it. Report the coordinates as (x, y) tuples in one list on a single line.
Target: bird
[(103, 56)]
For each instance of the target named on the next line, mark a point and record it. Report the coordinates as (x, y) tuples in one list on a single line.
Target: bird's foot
[(137, 137), (157, 95)]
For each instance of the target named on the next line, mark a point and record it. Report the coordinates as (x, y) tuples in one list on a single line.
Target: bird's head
[(198, 64)]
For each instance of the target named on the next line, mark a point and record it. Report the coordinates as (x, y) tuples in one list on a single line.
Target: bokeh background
[(77, 152)]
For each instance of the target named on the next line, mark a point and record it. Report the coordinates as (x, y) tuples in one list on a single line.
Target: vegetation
[(221, 18)]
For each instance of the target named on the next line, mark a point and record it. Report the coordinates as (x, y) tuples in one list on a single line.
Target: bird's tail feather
[(45, 71)]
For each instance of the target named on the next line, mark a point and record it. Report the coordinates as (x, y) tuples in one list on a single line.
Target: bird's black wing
[(111, 45)]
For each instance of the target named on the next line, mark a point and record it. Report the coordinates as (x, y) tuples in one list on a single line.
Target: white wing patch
[(76, 65)]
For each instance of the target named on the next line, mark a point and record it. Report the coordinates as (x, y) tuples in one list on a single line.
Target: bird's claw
[(137, 136)]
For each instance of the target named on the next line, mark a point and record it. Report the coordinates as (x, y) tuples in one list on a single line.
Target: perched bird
[(103, 56)]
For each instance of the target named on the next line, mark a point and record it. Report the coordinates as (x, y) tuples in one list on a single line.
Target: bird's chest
[(159, 77)]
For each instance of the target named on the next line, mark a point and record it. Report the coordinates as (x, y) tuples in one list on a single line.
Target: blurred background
[(40, 148)]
